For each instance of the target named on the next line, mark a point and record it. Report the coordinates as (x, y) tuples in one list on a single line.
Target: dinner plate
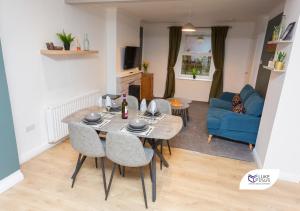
[(137, 123), (137, 130), (92, 123), (157, 114), (93, 117)]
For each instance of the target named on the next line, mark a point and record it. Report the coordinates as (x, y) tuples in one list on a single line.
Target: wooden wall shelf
[(67, 53), (273, 69), (280, 42)]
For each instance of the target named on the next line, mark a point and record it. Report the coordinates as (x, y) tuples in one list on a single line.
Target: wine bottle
[(124, 108)]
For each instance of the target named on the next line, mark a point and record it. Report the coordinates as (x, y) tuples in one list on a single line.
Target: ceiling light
[(188, 28)]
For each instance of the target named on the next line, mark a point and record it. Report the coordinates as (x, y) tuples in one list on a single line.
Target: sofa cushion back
[(254, 104), (246, 92)]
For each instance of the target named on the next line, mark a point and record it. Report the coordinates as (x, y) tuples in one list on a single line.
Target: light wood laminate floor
[(192, 182)]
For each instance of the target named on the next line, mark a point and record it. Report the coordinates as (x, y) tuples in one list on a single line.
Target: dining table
[(164, 127)]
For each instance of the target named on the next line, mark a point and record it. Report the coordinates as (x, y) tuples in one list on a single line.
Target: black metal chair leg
[(169, 147), (161, 151), (120, 169), (77, 164), (77, 170), (96, 162), (143, 184), (103, 174), (123, 171), (110, 180), (150, 169)]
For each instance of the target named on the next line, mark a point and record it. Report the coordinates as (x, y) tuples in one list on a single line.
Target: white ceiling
[(202, 11)]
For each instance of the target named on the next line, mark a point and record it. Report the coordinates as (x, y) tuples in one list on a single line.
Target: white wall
[(36, 81), (122, 30), (283, 148), (237, 60)]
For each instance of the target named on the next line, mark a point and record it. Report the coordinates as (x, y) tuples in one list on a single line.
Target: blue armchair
[(221, 121)]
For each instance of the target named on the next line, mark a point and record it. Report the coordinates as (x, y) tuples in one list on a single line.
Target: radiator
[(54, 115)]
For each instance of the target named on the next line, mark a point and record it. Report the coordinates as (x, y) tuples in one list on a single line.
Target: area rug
[(194, 137)]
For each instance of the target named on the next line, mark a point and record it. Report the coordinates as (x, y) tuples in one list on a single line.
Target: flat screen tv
[(131, 57)]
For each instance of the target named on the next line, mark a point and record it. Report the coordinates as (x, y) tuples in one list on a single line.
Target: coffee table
[(180, 107)]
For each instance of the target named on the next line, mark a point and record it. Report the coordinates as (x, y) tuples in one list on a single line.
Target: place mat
[(153, 118), (104, 122), (108, 115), (144, 133)]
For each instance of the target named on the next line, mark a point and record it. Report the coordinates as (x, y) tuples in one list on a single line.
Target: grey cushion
[(85, 140)]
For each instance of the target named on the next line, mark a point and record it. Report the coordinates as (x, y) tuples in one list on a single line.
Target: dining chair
[(127, 150), (133, 102), (86, 141), (164, 106)]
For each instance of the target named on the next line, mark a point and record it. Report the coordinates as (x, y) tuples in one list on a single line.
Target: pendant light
[(188, 27)]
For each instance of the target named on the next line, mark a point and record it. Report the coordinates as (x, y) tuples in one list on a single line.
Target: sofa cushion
[(218, 103), (246, 92), (214, 117), (254, 105)]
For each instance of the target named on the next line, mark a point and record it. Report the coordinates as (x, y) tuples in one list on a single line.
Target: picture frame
[(287, 34)]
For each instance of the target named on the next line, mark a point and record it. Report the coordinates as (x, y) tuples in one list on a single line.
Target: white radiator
[(54, 115)]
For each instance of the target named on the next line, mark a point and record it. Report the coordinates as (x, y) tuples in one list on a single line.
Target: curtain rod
[(205, 27)]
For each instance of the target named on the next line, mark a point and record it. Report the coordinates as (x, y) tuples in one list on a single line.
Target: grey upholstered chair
[(127, 150), (133, 102), (164, 107), (86, 141)]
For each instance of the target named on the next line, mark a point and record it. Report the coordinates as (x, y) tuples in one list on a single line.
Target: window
[(195, 56)]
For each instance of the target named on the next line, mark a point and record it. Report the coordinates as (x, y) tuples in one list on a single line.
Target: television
[(132, 57)]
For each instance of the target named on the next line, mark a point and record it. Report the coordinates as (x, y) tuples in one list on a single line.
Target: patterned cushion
[(236, 100), (239, 108)]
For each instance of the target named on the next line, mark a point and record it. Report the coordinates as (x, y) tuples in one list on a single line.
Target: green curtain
[(174, 46), (218, 38)]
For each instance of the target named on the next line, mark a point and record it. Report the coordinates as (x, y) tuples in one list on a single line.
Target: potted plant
[(276, 33), (145, 66), (194, 72), (67, 39), (279, 63)]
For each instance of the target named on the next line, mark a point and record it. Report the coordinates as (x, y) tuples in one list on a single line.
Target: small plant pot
[(67, 46), (279, 65), (194, 77)]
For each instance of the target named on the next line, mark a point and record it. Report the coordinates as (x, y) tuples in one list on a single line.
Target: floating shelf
[(280, 42), (273, 69), (67, 53)]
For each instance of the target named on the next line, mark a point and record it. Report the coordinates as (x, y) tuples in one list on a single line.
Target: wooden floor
[(192, 182)]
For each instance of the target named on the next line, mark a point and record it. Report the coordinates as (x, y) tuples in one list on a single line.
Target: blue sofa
[(221, 121)]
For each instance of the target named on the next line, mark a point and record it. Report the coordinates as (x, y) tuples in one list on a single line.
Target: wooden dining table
[(164, 128)]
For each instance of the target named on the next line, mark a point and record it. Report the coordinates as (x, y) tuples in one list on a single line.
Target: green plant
[(281, 56), (145, 65), (194, 72), (67, 39)]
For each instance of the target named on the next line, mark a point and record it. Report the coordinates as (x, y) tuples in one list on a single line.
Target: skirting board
[(283, 175), (257, 159), (11, 180), (36, 151)]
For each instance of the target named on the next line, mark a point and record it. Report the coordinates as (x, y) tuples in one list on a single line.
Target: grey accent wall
[(9, 161)]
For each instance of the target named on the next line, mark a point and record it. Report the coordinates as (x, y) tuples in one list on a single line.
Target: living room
[(42, 82)]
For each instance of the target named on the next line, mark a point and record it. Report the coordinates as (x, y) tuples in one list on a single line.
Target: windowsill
[(191, 79)]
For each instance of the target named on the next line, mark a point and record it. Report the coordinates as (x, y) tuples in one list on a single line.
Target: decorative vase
[(86, 43), (194, 76), (279, 65), (67, 46)]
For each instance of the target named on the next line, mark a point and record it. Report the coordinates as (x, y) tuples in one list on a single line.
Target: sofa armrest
[(227, 96), (240, 122)]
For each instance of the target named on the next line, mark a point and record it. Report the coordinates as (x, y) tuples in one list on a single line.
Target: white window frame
[(178, 65)]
